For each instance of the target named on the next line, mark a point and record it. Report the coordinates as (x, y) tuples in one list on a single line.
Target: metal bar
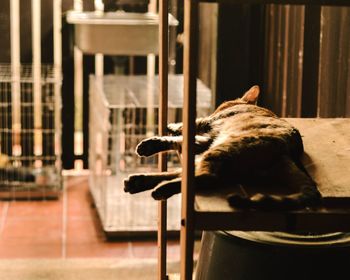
[(57, 51), (189, 115), (36, 45), (162, 123), (311, 61), (151, 58), (99, 65), (15, 70), (79, 136), (99, 8)]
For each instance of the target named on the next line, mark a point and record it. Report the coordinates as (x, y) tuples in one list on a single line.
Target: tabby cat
[(240, 144)]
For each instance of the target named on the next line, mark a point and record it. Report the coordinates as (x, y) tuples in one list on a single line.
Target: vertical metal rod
[(36, 45), (15, 70), (78, 91), (151, 58), (99, 65), (162, 124), (189, 115), (57, 59), (78, 5), (151, 69), (99, 8)]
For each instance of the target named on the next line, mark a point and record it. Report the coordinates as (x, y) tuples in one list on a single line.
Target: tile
[(79, 200), (149, 249), (26, 231), (3, 215), (40, 208), (144, 249), (83, 231), (99, 250), (31, 250), (34, 229)]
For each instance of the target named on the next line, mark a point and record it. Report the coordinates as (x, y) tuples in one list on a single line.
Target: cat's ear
[(251, 96)]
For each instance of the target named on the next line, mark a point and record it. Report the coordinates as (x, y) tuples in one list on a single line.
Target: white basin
[(116, 33)]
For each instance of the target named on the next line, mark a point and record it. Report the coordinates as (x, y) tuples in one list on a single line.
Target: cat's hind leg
[(300, 188), (166, 189), (142, 182)]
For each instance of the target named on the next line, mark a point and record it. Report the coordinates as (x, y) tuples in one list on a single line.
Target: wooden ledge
[(327, 159), (285, 2)]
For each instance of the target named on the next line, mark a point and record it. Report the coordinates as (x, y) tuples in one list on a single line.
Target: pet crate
[(124, 111), (30, 165)]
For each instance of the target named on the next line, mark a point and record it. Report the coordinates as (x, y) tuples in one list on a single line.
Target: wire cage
[(124, 111), (30, 165)]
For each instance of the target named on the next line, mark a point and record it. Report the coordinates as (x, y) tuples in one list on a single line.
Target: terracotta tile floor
[(65, 228)]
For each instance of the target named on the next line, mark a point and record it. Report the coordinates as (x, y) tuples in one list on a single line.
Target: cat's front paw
[(135, 183), (149, 147), (157, 195)]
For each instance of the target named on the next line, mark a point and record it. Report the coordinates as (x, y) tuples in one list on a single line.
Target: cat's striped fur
[(240, 143)]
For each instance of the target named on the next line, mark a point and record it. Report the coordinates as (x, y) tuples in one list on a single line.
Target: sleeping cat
[(239, 144)]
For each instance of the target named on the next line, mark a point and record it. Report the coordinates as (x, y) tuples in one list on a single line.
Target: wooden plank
[(311, 57), (322, 220), (327, 148), (327, 154), (285, 2)]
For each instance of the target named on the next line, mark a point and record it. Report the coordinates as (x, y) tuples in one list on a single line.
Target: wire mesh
[(124, 111), (29, 154)]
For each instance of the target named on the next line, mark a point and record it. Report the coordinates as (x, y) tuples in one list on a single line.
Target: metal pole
[(99, 9), (15, 71), (36, 45), (189, 115), (162, 123), (78, 90), (151, 58), (57, 51)]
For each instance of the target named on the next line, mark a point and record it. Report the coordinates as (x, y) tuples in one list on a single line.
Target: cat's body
[(240, 143)]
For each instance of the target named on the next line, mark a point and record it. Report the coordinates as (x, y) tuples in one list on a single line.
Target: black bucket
[(240, 255)]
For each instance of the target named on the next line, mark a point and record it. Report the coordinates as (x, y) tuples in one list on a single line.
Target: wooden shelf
[(327, 159)]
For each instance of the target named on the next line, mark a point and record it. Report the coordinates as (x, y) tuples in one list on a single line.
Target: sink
[(116, 33)]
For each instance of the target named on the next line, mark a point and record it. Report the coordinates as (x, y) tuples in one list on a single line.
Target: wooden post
[(189, 115), (162, 124), (312, 28)]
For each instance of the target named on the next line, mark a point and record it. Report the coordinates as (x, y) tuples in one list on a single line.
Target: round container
[(240, 255)]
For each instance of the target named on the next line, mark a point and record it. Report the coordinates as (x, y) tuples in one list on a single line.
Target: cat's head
[(249, 97)]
